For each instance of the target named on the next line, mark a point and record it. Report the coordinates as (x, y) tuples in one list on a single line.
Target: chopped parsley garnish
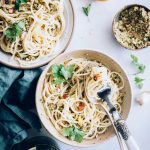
[(18, 3), (139, 82), (87, 9), (61, 73), (140, 67), (14, 31), (73, 133)]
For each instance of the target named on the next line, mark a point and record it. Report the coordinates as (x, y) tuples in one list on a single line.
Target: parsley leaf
[(140, 67), (73, 133), (15, 30), (87, 9), (55, 69), (134, 59), (59, 80), (67, 72), (67, 131), (139, 82), (18, 3), (61, 73)]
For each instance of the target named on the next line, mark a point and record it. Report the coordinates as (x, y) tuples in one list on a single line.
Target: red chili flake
[(65, 95), (96, 77), (80, 106)]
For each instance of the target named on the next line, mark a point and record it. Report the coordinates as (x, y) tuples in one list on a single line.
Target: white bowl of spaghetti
[(33, 32), (63, 92)]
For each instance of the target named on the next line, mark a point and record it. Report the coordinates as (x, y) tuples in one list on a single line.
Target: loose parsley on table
[(139, 82), (140, 67), (14, 31), (61, 73), (73, 133), (18, 3), (87, 9)]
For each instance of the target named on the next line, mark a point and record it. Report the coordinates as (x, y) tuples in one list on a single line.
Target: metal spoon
[(119, 122)]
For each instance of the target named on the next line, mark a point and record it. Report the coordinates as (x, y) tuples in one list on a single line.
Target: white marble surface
[(95, 32)]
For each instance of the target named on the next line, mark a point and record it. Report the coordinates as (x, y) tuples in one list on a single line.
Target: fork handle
[(131, 143), (126, 135)]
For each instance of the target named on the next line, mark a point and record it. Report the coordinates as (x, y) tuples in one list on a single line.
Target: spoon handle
[(126, 135)]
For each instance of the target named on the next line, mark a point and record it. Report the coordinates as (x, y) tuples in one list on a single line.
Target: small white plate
[(6, 58)]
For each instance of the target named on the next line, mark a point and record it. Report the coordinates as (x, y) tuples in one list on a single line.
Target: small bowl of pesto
[(131, 27)]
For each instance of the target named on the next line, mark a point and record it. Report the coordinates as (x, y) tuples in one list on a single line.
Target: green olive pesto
[(132, 29)]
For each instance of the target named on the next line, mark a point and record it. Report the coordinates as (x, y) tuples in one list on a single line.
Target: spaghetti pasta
[(44, 25), (67, 104)]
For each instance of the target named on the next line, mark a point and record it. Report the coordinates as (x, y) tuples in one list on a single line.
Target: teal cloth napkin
[(17, 98)]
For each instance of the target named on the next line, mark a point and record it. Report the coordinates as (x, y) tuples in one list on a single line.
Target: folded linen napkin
[(17, 98)]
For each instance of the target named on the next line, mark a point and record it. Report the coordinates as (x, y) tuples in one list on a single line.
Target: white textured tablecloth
[(95, 32)]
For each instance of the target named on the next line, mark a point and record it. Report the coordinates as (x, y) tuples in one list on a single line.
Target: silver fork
[(119, 122)]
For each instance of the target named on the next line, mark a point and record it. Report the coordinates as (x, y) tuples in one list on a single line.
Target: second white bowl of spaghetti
[(63, 92), (34, 31)]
